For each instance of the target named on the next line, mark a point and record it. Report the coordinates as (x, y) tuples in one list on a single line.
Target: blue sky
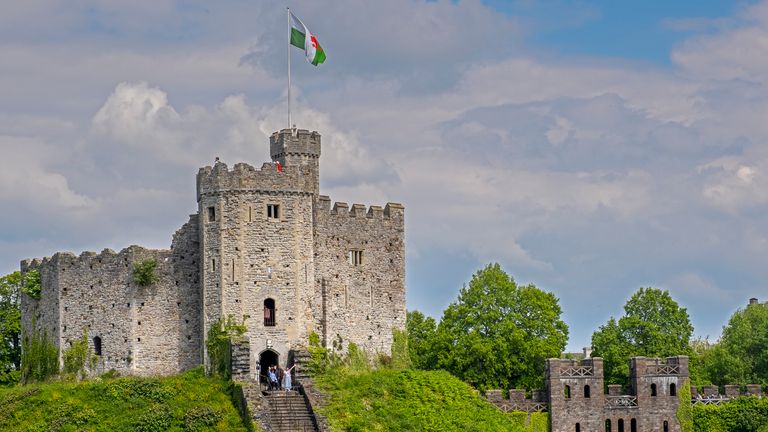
[(590, 147)]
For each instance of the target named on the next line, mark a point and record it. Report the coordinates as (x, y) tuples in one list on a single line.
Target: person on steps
[(287, 378)]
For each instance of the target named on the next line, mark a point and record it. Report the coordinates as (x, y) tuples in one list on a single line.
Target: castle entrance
[(267, 358)]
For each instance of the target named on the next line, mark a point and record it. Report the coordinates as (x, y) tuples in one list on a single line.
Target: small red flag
[(279, 168)]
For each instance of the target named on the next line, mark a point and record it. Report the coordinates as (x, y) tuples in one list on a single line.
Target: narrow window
[(586, 391), (273, 211), (97, 345), (269, 312), (672, 390), (567, 392), (653, 389), (621, 425), (578, 427), (633, 425), (213, 263), (370, 296), (250, 214), (346, 296), (666, 426), (211, 214), (355, 257), (233, 270), (607, 425)]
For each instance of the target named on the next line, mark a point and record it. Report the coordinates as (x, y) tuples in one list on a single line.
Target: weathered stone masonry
[(261, 238)]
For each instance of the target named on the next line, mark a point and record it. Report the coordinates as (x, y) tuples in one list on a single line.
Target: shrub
[(401, 358), (144, 272), (357, 360), (78, 358), (200, 419), (39, 357), (157, 419)]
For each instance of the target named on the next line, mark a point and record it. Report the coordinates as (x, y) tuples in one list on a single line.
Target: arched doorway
[(267, 358)]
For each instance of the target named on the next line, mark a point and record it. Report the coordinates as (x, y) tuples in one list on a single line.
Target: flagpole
[(289, 67)]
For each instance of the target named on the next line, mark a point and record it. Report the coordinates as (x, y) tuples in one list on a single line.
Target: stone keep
[(264, 248)]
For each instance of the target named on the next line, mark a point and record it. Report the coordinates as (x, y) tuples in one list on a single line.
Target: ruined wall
[(258, 257), (651, 405), (359, 302), (143, 330)]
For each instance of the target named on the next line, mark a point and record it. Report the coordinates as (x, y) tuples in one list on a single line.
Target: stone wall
[(142, 330), (360, 302)]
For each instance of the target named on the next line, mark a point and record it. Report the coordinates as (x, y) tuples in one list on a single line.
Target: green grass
[(187, 402), (409, 400)]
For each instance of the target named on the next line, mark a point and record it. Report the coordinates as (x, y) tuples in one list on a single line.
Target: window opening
[(250, 214), (567, 391), (211, 214), (633, 425), (607, 425), (653, 389), (355, 257), (621, 425), (586, 391), (233, 270), (97, 345), (269, 312), (672, 390), (346, 296), (666, 426), (213, 263), (578, 427), (273, 211)]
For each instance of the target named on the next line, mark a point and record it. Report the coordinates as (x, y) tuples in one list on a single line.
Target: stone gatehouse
[(264, 247)]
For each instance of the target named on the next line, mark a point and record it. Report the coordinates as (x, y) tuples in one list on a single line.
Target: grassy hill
[(187, 402), (410, 400)]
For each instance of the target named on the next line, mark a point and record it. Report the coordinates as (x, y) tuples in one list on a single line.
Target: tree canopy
[(498, 334), (653, 325), (10, 327)]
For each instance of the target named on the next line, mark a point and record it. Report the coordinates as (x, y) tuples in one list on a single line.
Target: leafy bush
[(357, 360), (157, 419), (220, 337), (320, 358), (32, 284), (39, 357), (78, 358), (745, 414), (684, 415), (401, 358), (144, 272), (200, 418)]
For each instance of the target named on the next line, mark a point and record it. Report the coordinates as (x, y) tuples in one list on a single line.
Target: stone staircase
[(289, 412)]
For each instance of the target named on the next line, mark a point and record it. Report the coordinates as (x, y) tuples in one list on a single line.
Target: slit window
[(621, 425), (608, 425), (578, 427), (97, 345), (273, 211), (653, 389), (633, 425), (567, 392), (355, 257), (211, 214), (586, 391), (269, 312), (672, 390), (666, 426)]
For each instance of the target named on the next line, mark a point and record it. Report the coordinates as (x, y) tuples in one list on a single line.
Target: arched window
[(578, 427), (269, 312), (621, 425), (653, 389), (607, 425), (633, 425), (666, 426), (586, 391), (672, 389), (97, 345), (567, 391)]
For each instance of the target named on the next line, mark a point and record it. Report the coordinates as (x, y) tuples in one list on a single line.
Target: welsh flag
[(302, 38)]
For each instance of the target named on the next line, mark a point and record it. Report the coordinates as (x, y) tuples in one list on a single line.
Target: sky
[(589, 147)]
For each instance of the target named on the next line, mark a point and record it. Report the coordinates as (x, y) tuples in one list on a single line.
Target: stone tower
[(256, 240)]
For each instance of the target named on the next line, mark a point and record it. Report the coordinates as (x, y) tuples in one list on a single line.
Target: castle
[(264, 247)]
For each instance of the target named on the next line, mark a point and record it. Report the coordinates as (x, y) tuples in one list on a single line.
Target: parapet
[(517, 400), (568, 368), (64, 260), (649, 366), (711, 394), (294, 142), (245, 177), (341, 209)]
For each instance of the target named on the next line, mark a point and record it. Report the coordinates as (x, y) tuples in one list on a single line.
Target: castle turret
[(297, 148)]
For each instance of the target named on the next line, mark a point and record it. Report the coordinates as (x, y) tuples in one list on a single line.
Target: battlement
[(244, 177), (670, 366), (569, 368), (517, 401), (64, 260), (341, 209), (294, 142)]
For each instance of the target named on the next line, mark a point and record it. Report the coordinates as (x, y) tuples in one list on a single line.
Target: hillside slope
[(409, 400), (187, 402)]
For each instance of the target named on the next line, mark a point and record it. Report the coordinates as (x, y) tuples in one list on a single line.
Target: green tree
[(421, 339), (741, 357), (653, 325), (498, 334), (10, 328)]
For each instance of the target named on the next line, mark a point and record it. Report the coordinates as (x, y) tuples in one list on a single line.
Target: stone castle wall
[(363, 301), (142, 330)]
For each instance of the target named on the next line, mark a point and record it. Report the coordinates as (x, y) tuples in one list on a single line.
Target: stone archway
[(267, 358)]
